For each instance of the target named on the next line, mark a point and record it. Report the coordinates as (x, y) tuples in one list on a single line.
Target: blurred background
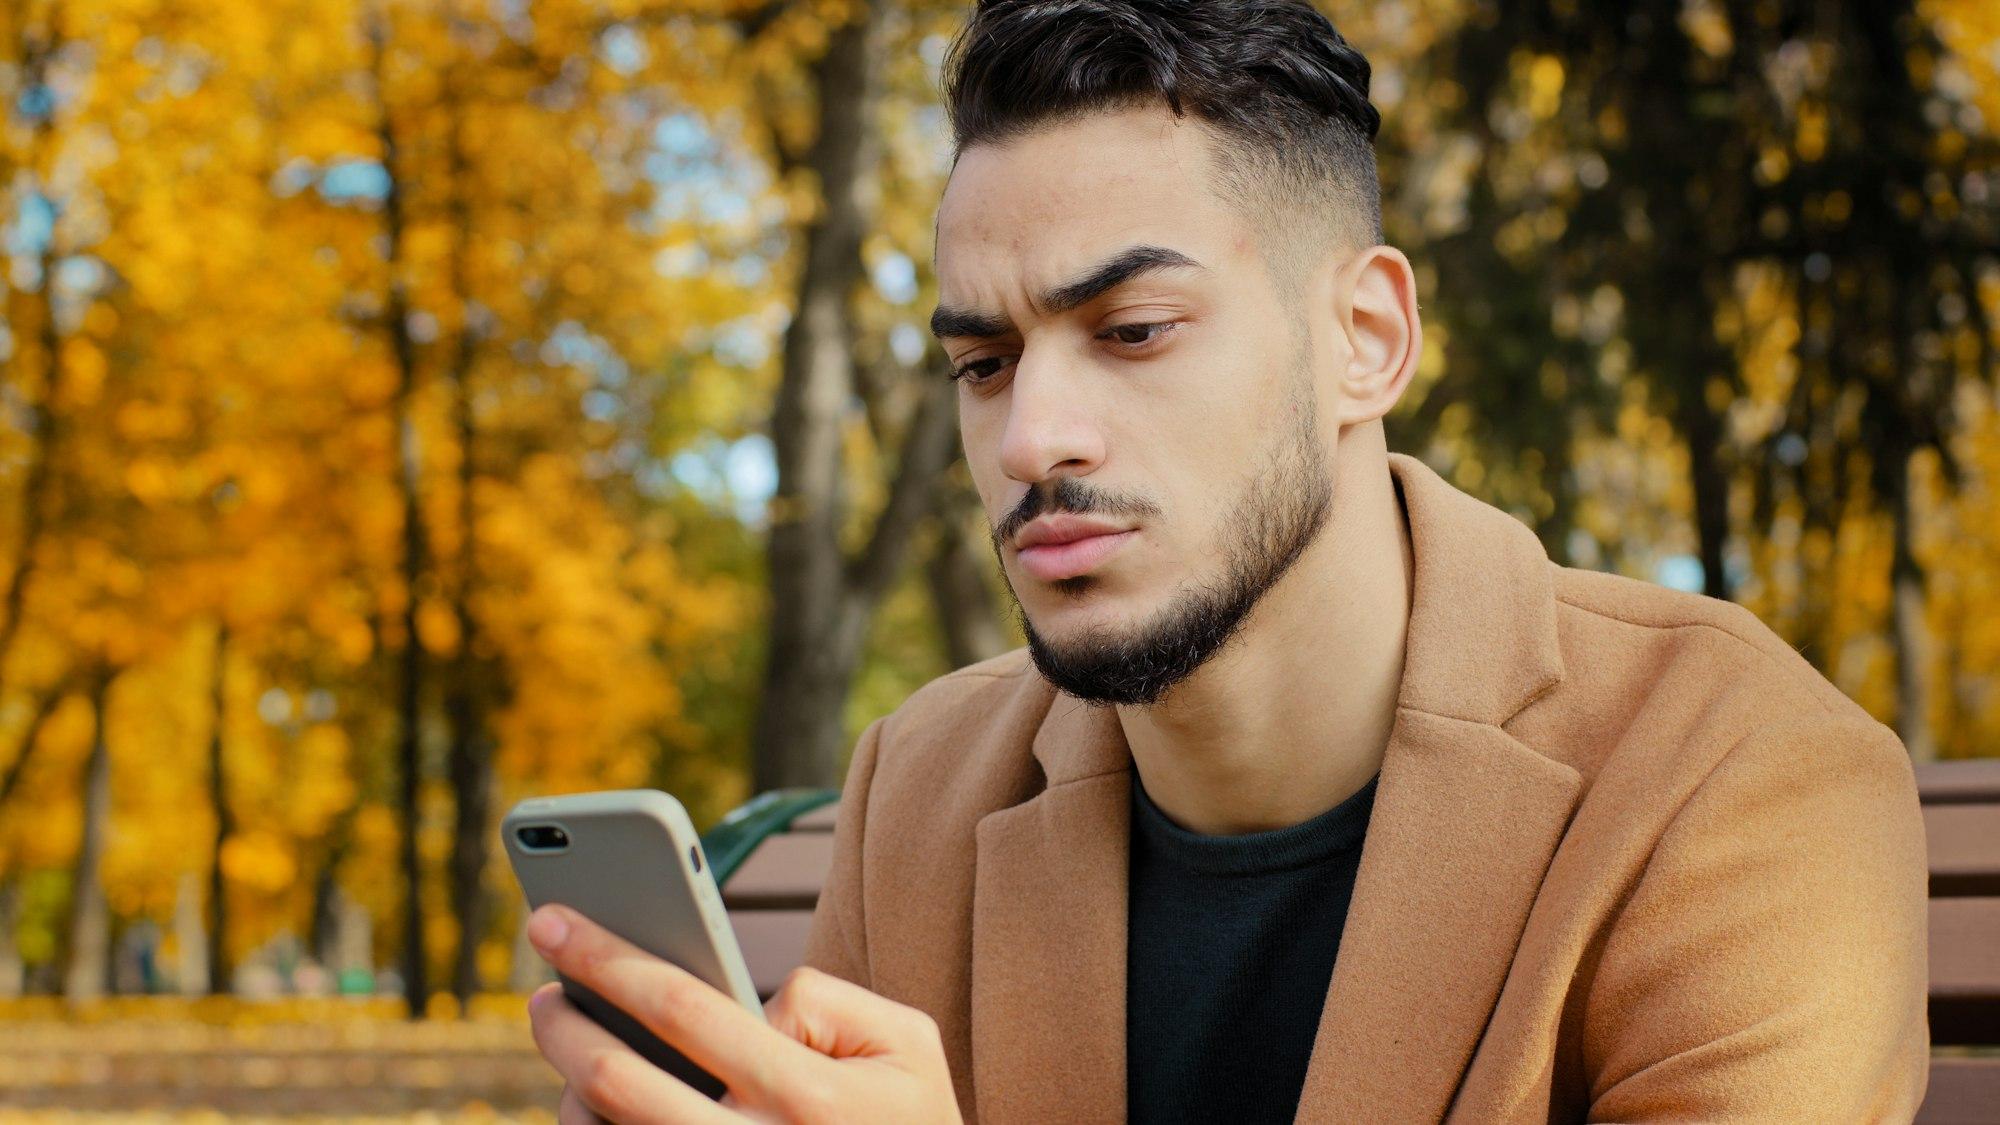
[(408, 406)]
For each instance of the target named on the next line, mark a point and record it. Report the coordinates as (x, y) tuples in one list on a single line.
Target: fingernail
[(546, 929)]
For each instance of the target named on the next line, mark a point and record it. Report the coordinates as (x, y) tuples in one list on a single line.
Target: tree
[(1678, 154), (822, 597), (218, 798), (89, 944)]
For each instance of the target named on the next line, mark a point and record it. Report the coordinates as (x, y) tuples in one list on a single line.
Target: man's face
[(1148, 451)]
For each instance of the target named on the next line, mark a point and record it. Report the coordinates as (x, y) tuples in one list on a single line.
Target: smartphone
[(629, 860)]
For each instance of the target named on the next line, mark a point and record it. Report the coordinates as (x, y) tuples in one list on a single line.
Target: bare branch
[(44, 708), (927, 448)]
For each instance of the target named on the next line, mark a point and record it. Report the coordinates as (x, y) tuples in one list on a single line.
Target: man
[(1318, 789)]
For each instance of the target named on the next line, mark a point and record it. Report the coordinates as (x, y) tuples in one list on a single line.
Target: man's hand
[(831, 1051)]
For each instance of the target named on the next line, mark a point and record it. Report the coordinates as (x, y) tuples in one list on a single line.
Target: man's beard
[(1279, 516)]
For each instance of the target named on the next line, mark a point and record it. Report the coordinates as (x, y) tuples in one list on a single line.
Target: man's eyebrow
[(1113, 272), (947, 323), (1107, 275)]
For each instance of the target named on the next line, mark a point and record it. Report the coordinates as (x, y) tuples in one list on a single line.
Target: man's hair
[(1286, 96)]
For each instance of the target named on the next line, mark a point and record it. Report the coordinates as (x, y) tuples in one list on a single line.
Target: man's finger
[(607, 1077), (840, 1019), (570, 1110), (712, 1030)]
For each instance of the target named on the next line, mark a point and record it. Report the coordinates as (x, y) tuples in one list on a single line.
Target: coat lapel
[(1464, 824), (1048, 932), (1466, 819)]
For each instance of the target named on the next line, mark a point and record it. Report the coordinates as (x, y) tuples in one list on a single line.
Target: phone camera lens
[(543, 837)]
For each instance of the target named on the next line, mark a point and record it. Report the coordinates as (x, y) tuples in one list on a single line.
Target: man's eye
[(978, 371), (1146, 333)]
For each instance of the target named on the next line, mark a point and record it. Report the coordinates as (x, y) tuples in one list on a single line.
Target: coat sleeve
[(837, 942), (1771, 962)]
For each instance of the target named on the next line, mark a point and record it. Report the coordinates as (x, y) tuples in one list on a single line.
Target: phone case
[(633, 864)]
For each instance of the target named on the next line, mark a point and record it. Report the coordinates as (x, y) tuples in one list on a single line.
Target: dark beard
[(1280, 515)]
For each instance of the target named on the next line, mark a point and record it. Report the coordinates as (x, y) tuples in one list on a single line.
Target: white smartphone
[(629, 860)]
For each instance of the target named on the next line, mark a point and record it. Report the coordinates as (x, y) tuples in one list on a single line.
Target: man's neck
[(1292, 716)]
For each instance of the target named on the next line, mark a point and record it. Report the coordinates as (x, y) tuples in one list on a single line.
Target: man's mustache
[(1068, 494)]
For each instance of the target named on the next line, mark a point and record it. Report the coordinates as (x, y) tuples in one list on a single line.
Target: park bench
[(1961, 803), (772, 856)]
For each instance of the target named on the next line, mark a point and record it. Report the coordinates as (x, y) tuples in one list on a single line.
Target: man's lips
[(1053, 561)]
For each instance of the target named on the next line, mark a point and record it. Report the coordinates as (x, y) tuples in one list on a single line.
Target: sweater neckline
[(1338, 829)]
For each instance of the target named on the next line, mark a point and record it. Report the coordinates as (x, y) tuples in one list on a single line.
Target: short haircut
[(1286, 96)]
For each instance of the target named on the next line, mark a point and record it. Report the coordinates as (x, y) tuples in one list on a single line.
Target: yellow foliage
[(259, 862), (1545, 86), (271, 400)]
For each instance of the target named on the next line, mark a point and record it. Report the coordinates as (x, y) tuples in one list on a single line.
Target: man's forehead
[(1037, 210), (1095, 173)]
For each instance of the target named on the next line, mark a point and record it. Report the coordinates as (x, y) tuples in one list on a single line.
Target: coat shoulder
[(1651, 622), (991, 680), (968, 703), (963, 742), (1658, 683)]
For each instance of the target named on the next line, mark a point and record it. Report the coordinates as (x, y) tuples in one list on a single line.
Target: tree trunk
[(225, 821), (323, 929), (89, 915), (800, 730), (45, 425), (416, 551), (409, 703), (10, 952), (18, 768), (821, 600), (190, 939), (44, 416), (1676, 333), (472, 784), (1703, 432), (471, 755), (1915, 682), (814, 648), (344, 940), (963, 597)]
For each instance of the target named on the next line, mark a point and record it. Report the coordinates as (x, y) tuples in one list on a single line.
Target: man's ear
[(1376, 296)]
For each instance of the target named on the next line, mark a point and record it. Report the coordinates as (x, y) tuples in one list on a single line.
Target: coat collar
[(1465, 821), (1482, 637)]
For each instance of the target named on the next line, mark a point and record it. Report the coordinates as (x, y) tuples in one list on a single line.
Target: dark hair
[(1287, 94)]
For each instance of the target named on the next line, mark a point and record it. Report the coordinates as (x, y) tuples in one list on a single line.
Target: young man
[(1318, 790)]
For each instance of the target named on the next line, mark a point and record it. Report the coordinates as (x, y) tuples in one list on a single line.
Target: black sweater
[(1230, 948)]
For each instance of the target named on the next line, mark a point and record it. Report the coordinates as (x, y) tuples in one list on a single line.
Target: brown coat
[(1631, 859)]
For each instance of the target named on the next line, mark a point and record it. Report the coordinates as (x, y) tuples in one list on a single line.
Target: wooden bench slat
[(785, 873), (1964, 844), (774, 943), (820, 819), (1965, 970), (1965, 947), (1962, 1091), (1959, 781)]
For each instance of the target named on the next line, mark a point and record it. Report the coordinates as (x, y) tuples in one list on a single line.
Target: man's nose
[(1051, 430)]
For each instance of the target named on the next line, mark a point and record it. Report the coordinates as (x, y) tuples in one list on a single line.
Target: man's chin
[(1070, 623), (1100, 667)]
